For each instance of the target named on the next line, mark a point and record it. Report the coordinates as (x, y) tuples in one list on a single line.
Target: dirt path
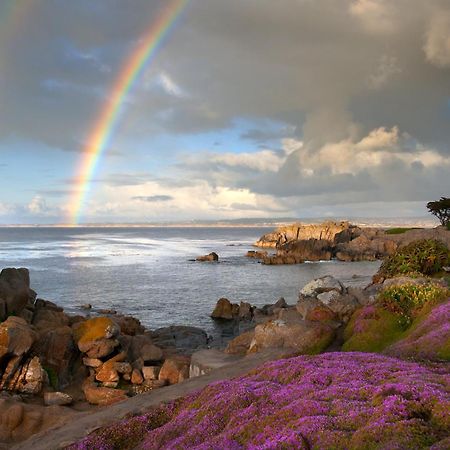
[(83, 424)]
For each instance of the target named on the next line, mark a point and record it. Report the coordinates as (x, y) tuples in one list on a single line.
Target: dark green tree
[(441, 209)]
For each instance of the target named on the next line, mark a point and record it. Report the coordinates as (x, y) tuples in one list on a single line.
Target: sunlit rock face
[(334, 400)]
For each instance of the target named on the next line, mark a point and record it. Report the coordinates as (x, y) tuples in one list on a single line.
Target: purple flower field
[(329, 401)]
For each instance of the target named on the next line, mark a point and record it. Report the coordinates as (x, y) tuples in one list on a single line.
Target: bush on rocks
[(424, 257)]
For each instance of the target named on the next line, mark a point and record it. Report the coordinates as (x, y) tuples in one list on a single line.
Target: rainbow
[(107, 120), (13, 14)]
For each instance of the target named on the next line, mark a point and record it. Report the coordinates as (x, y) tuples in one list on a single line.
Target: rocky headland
[(343, 241), (352, 368)]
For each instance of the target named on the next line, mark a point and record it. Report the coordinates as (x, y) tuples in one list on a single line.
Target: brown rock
[(30, 379), (15, 292), (102, 395), (224, 310), (107, 373), (136, 377), (144, 348), (175, 369), (129, 325), (245, 311), (58, 352), (100, 348), (123, 368), (94, 330), (16, 337), (301, 336), (211, 257), (150, 372), (256, 254), (320, 313), (92, 362), (240, 344)]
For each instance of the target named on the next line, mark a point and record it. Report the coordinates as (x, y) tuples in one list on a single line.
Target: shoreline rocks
[(297, 243)]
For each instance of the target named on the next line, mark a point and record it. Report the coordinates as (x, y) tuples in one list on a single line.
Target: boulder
[(256, 254), (95, 329), (203, 361), (224, 310), (136, 377), (98, 349), (142, 347), (16, 337), (129, 325), (301, 336), (306, 304), (102, 396), (92, 362), (15, 292), (29, 378), (95, 337), (245, 311), (150, 372), (210, 257), (240, 344), (58, 352), (175, 369), (57, 398), (305, 250), (321, 313), (321, 285)]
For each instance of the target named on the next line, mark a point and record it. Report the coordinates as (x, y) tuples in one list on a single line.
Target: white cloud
[(437, 40), (374, 15), (37, 206), (380, 147)]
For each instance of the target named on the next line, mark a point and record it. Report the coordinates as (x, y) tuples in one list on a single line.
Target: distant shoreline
[(421, 222)]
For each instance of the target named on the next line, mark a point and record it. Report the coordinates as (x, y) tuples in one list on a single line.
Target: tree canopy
[(441, 209)]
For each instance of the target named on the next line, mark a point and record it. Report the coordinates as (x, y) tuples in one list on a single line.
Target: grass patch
[(400, 230)]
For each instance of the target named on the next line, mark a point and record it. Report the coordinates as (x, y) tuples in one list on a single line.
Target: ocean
[(148, 272)]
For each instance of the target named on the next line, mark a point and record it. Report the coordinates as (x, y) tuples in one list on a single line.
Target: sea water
[(149, 273)]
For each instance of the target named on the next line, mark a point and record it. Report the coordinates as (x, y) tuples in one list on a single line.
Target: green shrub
[(408, 299), (426, 256)]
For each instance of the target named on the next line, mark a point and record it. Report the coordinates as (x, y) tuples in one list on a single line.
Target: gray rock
[(320, 285)]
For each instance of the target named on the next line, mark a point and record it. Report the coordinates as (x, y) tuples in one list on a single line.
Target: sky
[(249, 108)]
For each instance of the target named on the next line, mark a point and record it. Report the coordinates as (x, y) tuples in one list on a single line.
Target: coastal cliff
[(343, 241)]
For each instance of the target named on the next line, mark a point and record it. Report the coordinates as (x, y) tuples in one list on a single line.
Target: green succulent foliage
[(426, 256), (408, 299)]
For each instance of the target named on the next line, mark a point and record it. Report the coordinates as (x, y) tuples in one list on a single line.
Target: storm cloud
[(359, 91)]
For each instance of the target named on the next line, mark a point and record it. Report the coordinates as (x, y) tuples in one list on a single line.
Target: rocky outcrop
[(211, 257), (327, 231), (300, 336), (298, 243), (16, 297), (327, 300), (225, 310)]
